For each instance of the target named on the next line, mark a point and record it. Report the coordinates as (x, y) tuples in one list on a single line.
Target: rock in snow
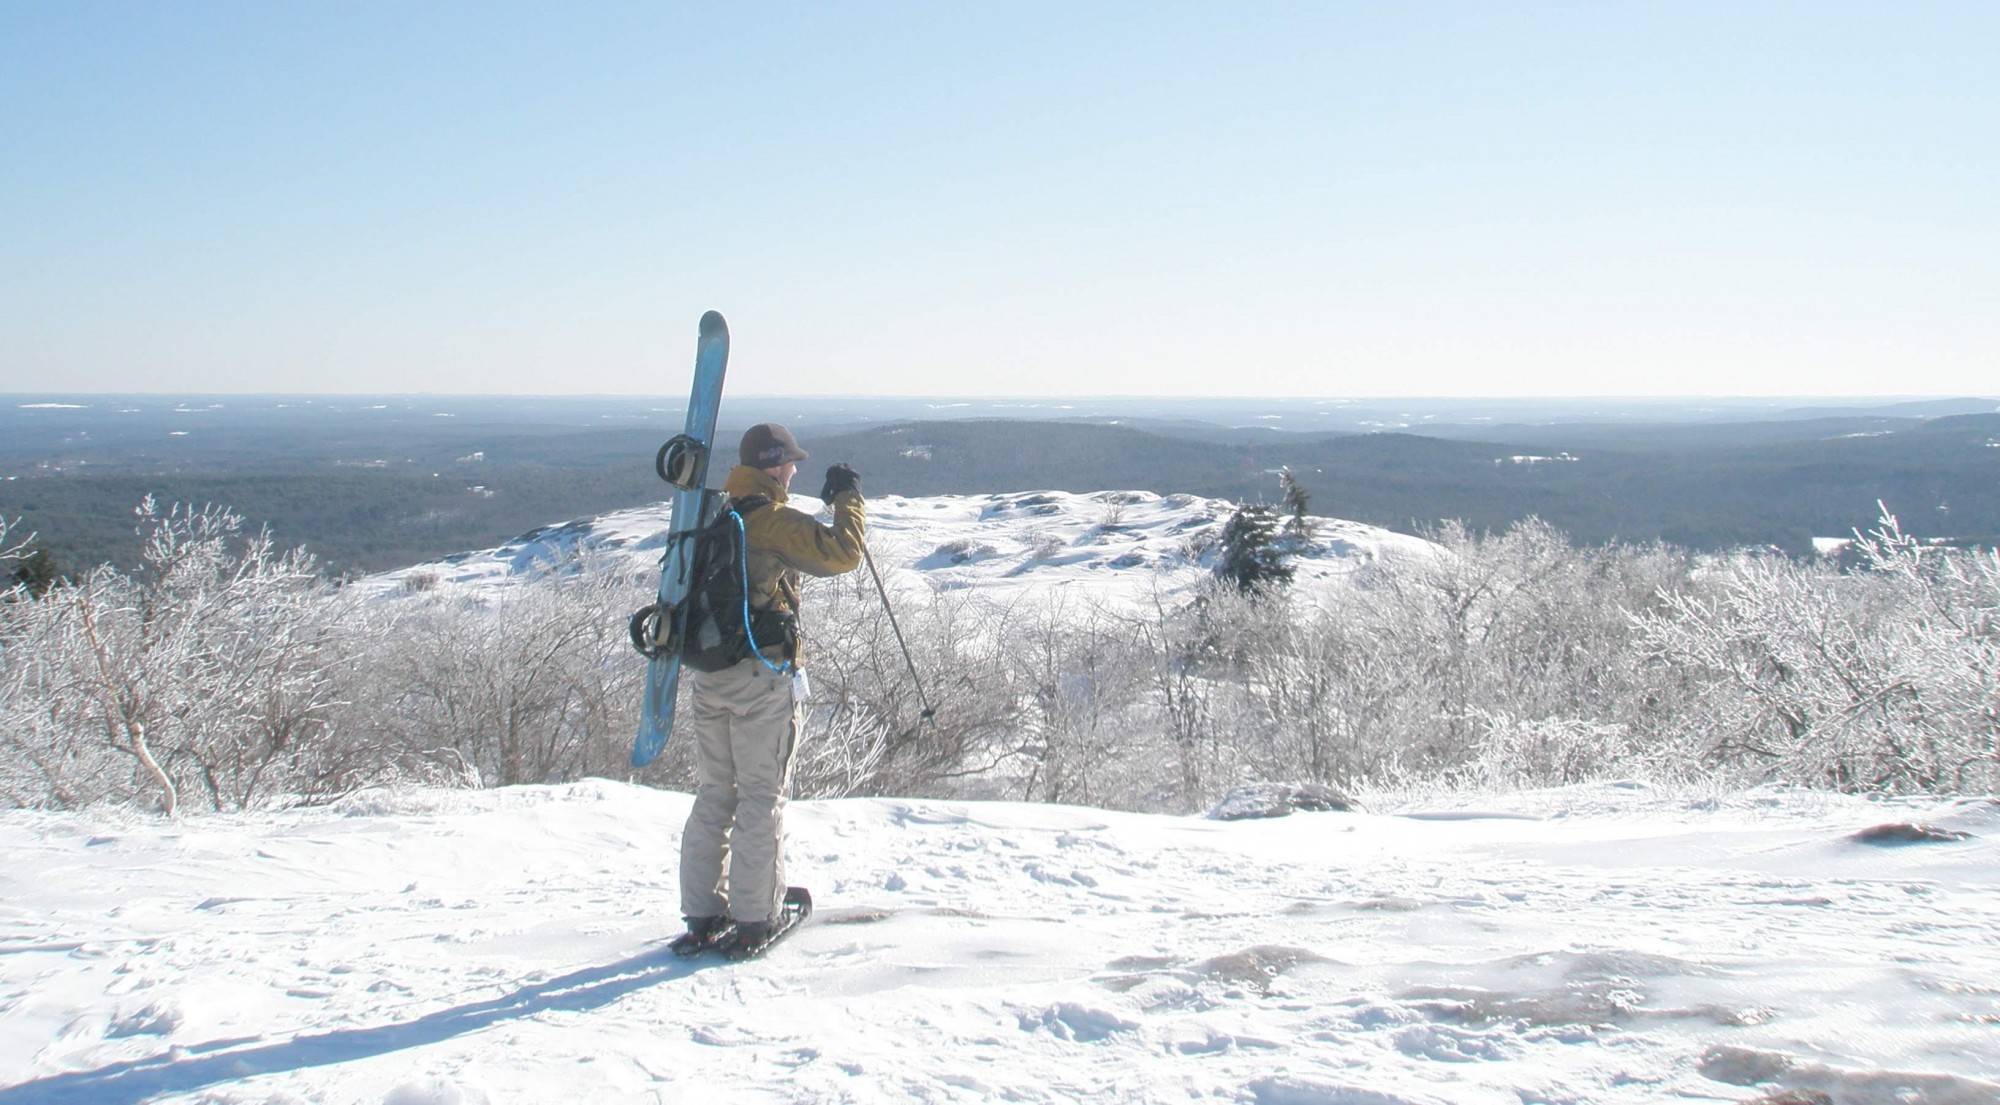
[(1904, 832)]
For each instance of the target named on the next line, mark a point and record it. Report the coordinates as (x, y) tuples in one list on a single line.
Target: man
[(746, 717)]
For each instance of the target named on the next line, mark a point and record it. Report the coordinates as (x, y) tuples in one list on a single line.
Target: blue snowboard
[(683, 462)]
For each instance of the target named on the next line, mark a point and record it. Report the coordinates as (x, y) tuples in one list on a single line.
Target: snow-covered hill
[(1591, 945), (1120, 546)]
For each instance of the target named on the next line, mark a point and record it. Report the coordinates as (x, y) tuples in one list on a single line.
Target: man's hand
[(839, 478)]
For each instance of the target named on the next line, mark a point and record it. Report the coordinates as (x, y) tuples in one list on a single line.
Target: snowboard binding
[(655, 631), (681, 462)]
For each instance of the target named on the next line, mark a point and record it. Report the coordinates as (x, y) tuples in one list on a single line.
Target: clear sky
[(1319, 199)]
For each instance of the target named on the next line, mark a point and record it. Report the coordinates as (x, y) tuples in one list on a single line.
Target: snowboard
[(682, 462)]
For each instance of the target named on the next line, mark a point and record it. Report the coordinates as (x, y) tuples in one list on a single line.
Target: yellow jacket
[(783, 543)]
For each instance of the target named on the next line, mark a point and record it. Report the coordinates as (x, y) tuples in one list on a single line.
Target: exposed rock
[(1907, 832), (1742, 1066), (1793, 1097), (1256, 966)]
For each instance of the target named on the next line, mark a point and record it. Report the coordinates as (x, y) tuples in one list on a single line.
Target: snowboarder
[(746, 717)]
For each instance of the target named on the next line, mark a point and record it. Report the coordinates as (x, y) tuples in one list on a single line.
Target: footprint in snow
[(1072, 1021), (1450, 1045)]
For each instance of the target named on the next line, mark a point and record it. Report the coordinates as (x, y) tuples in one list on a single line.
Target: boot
[(701, 933), (745, 940)]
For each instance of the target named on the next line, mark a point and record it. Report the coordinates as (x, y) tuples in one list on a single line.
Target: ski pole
[(915, 679)]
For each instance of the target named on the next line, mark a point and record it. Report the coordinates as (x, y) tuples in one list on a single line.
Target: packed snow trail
[(1594, 944)]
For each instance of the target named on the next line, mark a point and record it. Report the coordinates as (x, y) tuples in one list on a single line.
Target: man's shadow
[(185, 1070)]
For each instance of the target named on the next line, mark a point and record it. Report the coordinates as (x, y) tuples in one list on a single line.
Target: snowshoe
[(750, 939)]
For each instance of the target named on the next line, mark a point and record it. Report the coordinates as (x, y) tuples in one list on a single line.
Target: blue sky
[(1316, 199)]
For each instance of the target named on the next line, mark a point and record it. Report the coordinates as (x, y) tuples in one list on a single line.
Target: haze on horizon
[(1286, 200)]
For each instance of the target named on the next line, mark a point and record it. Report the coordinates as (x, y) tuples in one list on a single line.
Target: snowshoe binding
[(750, 939)]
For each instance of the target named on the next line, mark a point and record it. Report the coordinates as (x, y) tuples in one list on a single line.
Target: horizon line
[(1845, 397)]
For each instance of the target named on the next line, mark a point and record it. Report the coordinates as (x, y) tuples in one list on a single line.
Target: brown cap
[(767, 445)]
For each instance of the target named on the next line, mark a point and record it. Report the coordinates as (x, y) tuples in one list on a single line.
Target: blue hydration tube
[(743, 562)]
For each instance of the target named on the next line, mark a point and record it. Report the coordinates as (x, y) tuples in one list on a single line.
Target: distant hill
[(1942, 477), (381, 486)]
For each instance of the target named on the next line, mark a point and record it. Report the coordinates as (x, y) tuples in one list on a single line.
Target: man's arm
[(819, 550)]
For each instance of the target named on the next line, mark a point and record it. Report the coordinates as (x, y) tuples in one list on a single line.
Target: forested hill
[(1941, 477), (401, 493)]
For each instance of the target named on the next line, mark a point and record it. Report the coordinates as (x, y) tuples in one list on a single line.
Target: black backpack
[(714, 627)]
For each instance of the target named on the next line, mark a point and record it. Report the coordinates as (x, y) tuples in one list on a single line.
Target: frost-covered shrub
[(204, 677), (866, 703), (13, 544), (1882, 679), (532, 684), (1478, 661), (1550, 751), (1266, 800), (1080, 695), (227, 674)]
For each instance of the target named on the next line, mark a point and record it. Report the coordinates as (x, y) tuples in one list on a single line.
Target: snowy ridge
[(1120, 546), (1602, 944)]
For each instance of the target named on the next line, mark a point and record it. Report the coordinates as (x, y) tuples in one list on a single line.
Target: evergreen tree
[(37, 572), (1251, 558), (1296, 497)]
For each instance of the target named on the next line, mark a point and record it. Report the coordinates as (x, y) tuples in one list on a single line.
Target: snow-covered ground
[(1119, 546), (1599, 944)]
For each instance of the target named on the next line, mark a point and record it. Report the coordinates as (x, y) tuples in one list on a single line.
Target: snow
[(1121, 547), (1596, 944), (1530, 459)]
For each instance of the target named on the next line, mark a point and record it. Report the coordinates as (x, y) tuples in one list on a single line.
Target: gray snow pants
[(732, 851)]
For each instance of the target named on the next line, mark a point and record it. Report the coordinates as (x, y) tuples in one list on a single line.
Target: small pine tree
[(1296, 497), (1251, 558), (37, 572)]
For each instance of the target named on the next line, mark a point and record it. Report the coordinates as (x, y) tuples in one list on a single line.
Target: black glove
[(839, 478)]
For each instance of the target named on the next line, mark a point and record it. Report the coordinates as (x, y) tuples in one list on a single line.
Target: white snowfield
[(1600, 944), (1119, 547)]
